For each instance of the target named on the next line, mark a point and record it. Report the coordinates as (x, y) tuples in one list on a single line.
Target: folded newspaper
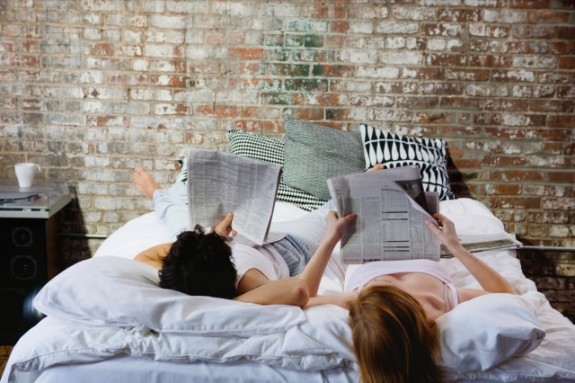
[(392, 210), (220, 182), (484, 242)]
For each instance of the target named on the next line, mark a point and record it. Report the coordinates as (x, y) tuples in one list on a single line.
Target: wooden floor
[(4, 354)]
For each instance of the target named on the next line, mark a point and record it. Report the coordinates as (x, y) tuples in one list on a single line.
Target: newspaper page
[(390, 223), (484, 242), (220, 182)]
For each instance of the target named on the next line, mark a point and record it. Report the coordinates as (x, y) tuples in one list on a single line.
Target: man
[(203, 263)]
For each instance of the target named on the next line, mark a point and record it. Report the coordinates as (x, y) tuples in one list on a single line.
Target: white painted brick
[(397, 28), (150, 94), (131, 36), (436, 44), (141, 65), (401, 58), (195, 96), (91, 77), (505, 16), (357, 56), (379, 73), (414, 13), (92, 34), (159, 50), (361, 26)]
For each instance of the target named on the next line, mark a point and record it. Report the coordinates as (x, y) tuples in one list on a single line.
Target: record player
[(44, 199)]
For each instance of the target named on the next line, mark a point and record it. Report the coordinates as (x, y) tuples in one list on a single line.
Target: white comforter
[(95, 313)]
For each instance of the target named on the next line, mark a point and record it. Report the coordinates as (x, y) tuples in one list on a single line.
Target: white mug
[(25, 172)]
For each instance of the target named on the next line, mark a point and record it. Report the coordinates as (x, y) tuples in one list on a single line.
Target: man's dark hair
[(200, 264)]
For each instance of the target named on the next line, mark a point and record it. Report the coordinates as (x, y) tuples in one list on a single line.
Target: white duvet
[(109, 307)]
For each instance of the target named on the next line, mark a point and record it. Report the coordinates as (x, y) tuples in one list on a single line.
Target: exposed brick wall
[(554, 274), (92, 88)]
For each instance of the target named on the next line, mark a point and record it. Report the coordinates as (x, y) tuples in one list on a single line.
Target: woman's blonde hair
[(392, 338)]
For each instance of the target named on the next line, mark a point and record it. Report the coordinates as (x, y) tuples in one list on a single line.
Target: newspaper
[(483, 242), (392, 210), (220, 182)]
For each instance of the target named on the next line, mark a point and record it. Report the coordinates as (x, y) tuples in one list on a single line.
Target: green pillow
[(314, 153)]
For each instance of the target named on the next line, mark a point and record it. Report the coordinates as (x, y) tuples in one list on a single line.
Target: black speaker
[(27, 262)]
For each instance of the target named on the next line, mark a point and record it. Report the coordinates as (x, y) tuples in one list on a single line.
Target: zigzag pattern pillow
[(394, 150), (270, 150)]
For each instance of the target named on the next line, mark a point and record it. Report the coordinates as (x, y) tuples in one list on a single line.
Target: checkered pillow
[(270, 150), (394, 150)]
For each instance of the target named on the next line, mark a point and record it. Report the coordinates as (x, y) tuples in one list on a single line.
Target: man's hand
[(224, 227)]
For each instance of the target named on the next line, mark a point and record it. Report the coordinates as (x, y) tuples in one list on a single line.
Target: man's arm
[(154, 255)]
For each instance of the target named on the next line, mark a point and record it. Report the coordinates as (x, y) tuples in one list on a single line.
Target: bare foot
[(144, 182), (377, 167)]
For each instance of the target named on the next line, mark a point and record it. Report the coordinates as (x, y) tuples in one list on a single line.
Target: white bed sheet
[(552, 361)]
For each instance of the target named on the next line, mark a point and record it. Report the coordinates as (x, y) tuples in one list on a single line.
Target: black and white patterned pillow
[(270, 150), (394, 150)]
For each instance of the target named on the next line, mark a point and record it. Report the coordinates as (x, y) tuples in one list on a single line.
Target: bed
[(107, 320)]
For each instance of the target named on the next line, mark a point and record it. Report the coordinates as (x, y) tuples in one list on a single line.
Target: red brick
[(566, 62), (503, 189), (534, 4), (514, 175), (246, 53), (545, 105), (339, 26), (567, 33), (548, 16), (505, 161), (564, 177), (310, 114)]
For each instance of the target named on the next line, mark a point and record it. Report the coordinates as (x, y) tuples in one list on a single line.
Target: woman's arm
[(340, 299), (315, 268), (254, 287), (487, 277)]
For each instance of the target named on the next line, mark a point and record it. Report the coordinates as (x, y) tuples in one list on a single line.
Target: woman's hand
[(445, 231), (224, 227), (336, 225)]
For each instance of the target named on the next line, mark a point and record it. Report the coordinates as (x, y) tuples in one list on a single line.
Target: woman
[(393, 315)]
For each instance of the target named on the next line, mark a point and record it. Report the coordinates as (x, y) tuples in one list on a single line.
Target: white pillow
[(121, 292), (144, 231), (133, 237), (481, 333)]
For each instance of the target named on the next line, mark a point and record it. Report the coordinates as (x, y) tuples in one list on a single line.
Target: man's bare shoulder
[(154, 255)]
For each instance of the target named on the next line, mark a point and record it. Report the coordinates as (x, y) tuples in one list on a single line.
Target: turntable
[(44, 199)]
